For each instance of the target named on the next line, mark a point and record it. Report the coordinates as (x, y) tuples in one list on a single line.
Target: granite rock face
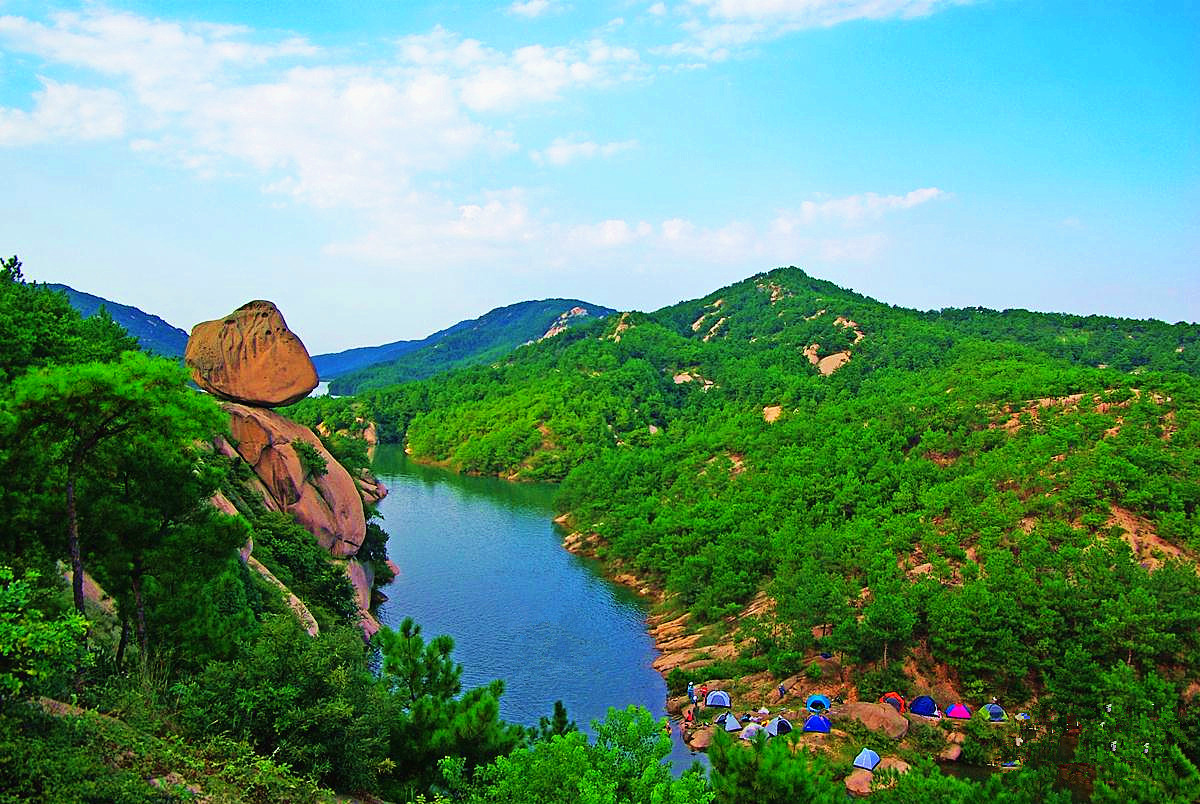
[(328, 504), (250, 356)]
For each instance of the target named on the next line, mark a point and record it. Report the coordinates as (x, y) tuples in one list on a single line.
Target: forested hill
[(490, 337), (973, 502), (154, 334)]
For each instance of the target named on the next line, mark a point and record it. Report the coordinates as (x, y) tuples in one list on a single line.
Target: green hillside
[(153, 334), (481, 340), (1007, 499)]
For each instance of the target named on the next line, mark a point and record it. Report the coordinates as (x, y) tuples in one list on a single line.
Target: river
[(481, 560)]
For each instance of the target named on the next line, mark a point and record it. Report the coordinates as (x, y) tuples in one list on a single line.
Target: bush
[(310, 458)]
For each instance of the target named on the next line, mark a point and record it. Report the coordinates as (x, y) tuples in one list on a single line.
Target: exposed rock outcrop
[(878, 717), (251, 356), (328, 505), (362, 578)]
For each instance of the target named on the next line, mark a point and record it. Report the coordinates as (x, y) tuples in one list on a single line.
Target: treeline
[(1012, 496)]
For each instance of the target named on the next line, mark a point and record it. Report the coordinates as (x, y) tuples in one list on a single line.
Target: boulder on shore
[(251, 356)]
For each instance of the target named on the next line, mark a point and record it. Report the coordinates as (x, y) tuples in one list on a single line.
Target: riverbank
[(689, 648)]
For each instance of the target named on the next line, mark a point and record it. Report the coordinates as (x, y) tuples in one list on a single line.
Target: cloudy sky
[(381, 170)]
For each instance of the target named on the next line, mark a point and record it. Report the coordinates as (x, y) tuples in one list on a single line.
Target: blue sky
[(382, 170)]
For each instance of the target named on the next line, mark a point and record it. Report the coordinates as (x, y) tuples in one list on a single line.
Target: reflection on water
[(481, 560)]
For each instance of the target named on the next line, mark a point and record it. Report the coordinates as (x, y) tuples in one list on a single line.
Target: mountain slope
[(961, 502), (153, 333), (480, 340)]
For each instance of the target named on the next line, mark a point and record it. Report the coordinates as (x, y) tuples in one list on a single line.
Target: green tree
[(767, 772), (33, 648), (72, 411)]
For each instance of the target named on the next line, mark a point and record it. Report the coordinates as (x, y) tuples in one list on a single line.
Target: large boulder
[(251, 356), (328, 505), (878, 717)]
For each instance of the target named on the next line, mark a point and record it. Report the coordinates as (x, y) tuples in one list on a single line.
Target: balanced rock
[(251, 356), (327, 504)]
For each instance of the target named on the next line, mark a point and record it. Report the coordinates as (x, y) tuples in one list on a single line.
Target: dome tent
[(818, 723), (923, 705), (779, 726), (718, 698), (817, 703), (995, 712), (866, 759), (751, 731), (959, 712), (895, 700)]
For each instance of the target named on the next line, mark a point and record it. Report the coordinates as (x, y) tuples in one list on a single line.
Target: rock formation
[(254, 362), (328, 505), (251, 356), (878, 717)]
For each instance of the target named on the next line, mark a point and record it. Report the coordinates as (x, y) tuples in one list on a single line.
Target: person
[(704, 693), (782, 692), (692, 691), (690, 717)]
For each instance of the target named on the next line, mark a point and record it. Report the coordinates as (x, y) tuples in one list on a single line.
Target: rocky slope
[(251, 359)]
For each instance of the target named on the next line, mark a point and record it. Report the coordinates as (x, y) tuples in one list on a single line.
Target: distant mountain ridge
[(489, 337), (152, 332), (481, 340)]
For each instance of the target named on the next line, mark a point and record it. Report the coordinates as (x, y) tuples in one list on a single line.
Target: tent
[(995, 712), (750, 731), (923, 705), (1023, 716), (866, 759), (896, 700), (779, 726), (959, 712), (732, 723), (817, 703), (817, 723), (717, 698)]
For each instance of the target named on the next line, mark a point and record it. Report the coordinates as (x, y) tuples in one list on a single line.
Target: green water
[(481, 560)]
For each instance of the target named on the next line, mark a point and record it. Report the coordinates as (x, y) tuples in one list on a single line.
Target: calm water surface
[(481, 560)]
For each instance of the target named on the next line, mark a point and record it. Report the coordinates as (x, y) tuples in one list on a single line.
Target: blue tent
[(732, 723), (817, 703), (923, 705), (717, 698), (866, 759), (817, 723), (994, 712), (779, 726)]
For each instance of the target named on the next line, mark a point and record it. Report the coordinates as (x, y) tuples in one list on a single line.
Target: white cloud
[(854, 208), (658, 9), (820, 13), (716, 29), (488, 80), (532, 8), (220, 100), (563, 151), (64, 112)]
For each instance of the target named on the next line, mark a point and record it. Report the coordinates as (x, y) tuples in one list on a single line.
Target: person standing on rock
[(692, 692)]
